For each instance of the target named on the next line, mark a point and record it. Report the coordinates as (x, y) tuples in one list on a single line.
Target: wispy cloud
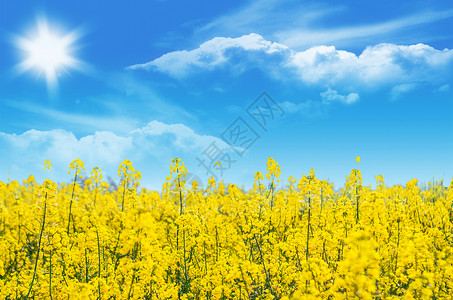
[(401, 89), (92, 122), (308, 109), (146, 96), (308, 37), (265, 16), (302, 25), (111, 110), (443, 89)]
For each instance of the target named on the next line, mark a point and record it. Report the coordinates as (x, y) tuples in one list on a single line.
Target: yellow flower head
[(211, 182), (258, 176), (77, 165), (47, 164), (127, 171), (379, 179), (96, 175), (177, 167), (273, 168), (194, 185)]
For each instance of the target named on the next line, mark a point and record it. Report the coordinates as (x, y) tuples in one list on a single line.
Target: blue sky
[(153, 80)]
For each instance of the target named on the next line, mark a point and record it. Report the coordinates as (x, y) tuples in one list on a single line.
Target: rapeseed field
[(283, 239)]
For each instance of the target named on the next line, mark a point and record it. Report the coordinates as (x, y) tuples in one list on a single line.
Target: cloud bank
[(382, 65), (154, 141)]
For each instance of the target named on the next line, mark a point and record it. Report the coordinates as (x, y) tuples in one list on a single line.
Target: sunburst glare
[(48, 52)]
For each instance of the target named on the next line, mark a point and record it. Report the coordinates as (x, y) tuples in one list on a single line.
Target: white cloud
[(209, 55), (377, 65), (326, 66), (330, 96)]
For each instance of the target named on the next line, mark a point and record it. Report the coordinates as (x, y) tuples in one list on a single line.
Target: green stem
[(50, 276), (39, 246), (268, 280), (130, 288), (308, 227), (99, 264), (357, 208), (72, 198), (124, 191), (86, 266), (180, 197)]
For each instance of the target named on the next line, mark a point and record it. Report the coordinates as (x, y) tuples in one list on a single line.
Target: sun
[(48, 52)]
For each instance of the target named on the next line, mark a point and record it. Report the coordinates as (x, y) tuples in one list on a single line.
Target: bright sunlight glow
[(47, 53)]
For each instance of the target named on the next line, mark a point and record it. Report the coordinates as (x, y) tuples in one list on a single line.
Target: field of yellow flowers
[(304, 241)]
